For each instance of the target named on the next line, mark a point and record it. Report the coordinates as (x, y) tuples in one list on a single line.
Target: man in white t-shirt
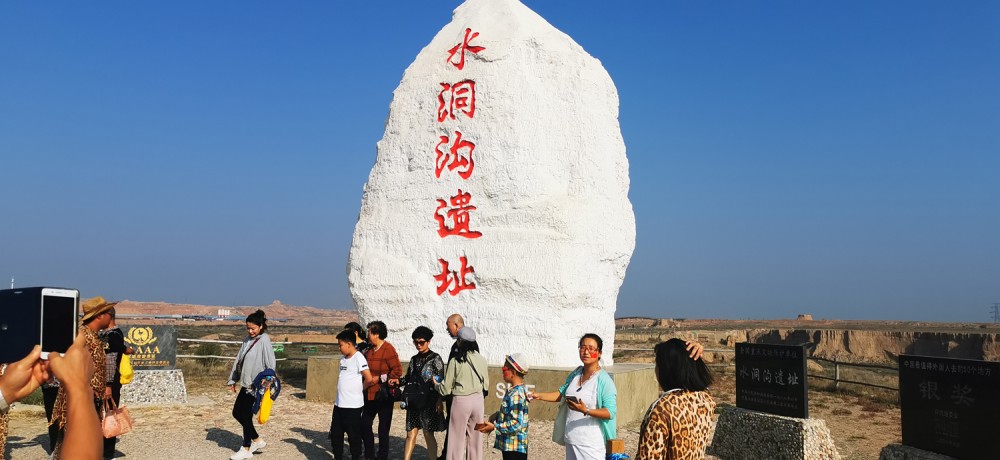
[(353, 380)]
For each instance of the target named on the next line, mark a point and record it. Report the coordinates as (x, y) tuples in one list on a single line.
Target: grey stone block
[(742, 434), (155, 388), (901, 452)]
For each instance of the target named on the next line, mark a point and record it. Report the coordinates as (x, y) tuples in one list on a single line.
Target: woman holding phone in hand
[(590, 396), (588, 420)]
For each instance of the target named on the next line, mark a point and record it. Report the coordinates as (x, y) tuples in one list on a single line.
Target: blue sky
[(834, 158)]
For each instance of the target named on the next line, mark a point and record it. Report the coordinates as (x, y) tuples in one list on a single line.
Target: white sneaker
[(257, 445), (241, 454)]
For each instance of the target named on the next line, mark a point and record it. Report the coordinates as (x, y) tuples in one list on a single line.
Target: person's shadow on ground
[(223, 438), (317, 444)]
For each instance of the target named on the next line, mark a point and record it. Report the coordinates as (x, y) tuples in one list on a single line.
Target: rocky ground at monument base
[(204, 428)]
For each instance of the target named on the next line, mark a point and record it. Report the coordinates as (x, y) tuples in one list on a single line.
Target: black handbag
[(418, 394), (387, 392)]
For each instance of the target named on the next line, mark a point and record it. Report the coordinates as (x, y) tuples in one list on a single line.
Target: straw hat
[(95, 306)]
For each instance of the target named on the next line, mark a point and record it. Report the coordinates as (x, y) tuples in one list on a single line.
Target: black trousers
[(346, 421), (382, 409), (508, 455), (109, 443), (243, 413), (49, 397)]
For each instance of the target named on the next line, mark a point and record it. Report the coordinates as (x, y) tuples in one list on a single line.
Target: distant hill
[(306, 316)]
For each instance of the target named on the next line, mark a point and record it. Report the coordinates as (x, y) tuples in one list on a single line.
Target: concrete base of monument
[(155, 388), (742, 434), (901, 452), (636, 385)]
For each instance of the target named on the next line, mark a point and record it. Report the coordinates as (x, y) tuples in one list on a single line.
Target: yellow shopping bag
[(265, 407), (125, 369)]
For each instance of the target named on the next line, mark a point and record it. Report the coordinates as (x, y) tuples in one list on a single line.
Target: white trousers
[(576, 452)]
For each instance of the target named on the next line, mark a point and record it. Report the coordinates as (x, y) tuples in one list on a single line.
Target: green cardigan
[(607, 396)]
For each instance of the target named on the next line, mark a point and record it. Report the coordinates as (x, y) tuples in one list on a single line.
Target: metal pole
[(836, 376)]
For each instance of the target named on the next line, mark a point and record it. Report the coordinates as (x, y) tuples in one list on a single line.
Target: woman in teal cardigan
[(588, 418)]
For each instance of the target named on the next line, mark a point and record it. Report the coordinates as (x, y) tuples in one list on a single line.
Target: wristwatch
[(4, 407)]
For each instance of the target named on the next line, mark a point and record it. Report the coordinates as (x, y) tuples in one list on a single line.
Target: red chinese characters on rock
[(460, 49), (457, 98), (457, 156), (452, 281), (458, 213), (454, 153)]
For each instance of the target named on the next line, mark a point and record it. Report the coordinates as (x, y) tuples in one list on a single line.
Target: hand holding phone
[(573, 399), (59, 318)]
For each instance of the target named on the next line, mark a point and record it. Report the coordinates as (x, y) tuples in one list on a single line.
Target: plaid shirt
[(512, 422)]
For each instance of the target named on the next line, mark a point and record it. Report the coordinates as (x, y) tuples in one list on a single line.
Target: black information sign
[(772, 379), (950, 405), (155, 346)]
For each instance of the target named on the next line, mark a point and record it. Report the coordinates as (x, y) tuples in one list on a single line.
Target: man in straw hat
[(96, 316)]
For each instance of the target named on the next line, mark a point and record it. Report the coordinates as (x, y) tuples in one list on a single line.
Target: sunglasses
[(419, 342)]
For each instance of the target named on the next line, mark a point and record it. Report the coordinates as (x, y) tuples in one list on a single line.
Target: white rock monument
[(499, 191)]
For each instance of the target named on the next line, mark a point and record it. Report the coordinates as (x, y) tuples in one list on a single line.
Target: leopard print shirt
[(95, 347), (676, 426), (4, 419)]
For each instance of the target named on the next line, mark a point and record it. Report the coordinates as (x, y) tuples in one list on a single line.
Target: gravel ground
[(205, 429)]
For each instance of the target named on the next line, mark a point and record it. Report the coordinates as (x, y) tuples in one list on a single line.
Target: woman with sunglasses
[(423, 367)]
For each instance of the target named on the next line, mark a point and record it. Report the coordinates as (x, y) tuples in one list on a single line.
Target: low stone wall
[(901, 452), (636, 385), (742, 434), (155, 388)]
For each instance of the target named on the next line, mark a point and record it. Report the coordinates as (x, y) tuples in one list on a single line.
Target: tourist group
[(438, 394), (449, 394)]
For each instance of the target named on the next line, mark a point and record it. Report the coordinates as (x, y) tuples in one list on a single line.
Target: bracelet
[(586, 412), (3, 368)]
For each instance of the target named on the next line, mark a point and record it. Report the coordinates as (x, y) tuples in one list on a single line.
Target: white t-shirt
[(350, 382)]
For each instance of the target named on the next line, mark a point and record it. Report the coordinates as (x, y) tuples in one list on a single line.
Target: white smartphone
[(60, 310)]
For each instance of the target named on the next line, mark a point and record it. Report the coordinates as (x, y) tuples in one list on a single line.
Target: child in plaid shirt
[(511, 422)]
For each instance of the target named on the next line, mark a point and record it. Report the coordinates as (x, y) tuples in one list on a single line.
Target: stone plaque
[(949, 405), (772, 379), (155, 346)]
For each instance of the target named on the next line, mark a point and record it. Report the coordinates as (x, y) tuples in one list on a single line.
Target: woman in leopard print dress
[(677, 425)]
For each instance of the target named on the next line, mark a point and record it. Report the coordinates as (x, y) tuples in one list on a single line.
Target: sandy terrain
[(205, 429)]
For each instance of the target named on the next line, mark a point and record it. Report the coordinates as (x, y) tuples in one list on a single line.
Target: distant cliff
[(881, 347)]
